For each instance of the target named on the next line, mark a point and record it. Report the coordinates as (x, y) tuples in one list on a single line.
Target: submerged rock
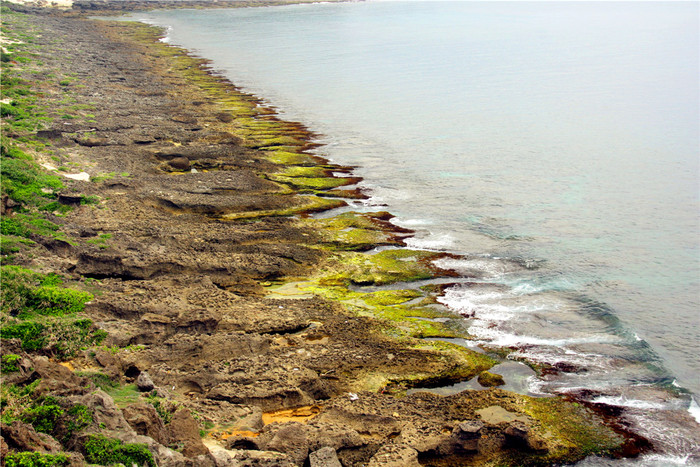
[(489, 380)]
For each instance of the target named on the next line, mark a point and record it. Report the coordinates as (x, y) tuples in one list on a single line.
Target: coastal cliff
[(169, 299)]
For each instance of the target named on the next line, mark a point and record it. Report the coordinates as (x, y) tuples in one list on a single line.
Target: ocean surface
[(555, 145)]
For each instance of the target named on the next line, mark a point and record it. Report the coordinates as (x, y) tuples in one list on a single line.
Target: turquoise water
[(554, 144)]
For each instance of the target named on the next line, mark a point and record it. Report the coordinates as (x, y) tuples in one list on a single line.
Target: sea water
[(555, 145)]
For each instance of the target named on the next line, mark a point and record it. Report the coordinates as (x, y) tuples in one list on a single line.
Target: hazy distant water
[(556, 144)]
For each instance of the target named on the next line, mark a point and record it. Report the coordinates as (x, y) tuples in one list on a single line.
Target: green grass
[(41, 313), (125, 395), (24, 181)]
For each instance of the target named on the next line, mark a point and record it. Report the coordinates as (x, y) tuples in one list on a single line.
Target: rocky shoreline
[(221, 324)]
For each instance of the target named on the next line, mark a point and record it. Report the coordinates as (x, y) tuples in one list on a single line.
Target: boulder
[(425, 437), (92, 141), (180, 163), (291, 439), (322, 435), (184, 430), (519, 435), (262, 459), (56, 379), (395, 455), (144, 419), (144, 382), (105, 412), (490, 380), (21, 436), (250, 422), (466, 435), (324, 457), (4, 448)]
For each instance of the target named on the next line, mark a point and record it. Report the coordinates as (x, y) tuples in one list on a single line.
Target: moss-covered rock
[(489, 380)]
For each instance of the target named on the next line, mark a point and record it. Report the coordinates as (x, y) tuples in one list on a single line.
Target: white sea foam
[(649, 460), (410, 222), (510, 340), (432, 242), (527, 289), (622, 401), (659, 460), (489, 304), (492, 269), (694, 410)]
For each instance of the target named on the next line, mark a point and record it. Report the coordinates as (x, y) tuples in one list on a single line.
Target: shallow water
[(554, 144)]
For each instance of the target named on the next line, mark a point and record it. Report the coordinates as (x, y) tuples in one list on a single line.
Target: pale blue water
[(556, 144)]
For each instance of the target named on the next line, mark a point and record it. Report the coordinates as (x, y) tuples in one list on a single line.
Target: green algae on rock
[(489, 380)]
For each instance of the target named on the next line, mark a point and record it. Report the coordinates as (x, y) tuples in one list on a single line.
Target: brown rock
[(179, 163), (251, 422), (105, 412), (4, 449), (261, 459), (21, 436), (183, 429), (490, 380), (143, 139), (56, 378), (425, 437), (49, 134), (291, 439), (224, 117), (144, 419), (7, 205), (467, 435), (92, 141), (109, 362), (331, 435), (519, 435), (324, 457), (70, 200), (144, 382), (395, 455), (188, 119)]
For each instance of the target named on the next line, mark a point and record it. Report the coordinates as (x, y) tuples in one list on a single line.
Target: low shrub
[(25, 292), (43, 418), (108, 451), (35, 459), (10, 363), (29, 332)]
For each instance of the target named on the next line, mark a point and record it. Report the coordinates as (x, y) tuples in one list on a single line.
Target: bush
[(43, 418), (61, 339), (107, 451), (30, 333), (26, 292), (79, 417), (57, 301), (35, 459), (10, 363)]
